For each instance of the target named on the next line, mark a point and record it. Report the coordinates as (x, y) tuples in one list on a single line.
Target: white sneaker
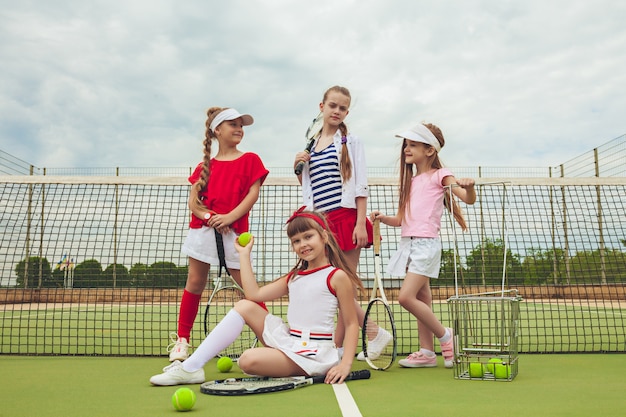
[(179, 348), (174, 374), (376, 346)]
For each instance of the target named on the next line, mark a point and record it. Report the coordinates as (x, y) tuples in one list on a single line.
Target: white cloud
[(128, 83)]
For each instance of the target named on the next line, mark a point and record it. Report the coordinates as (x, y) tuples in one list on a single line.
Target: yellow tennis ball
[(476, 370), (183, 399), (244, 238), (502, 371), (224, 364), (492, 362)]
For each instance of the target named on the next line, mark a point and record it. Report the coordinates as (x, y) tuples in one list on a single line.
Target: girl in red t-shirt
[(224, 189)]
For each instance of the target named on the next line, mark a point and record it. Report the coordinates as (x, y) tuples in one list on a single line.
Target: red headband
[(301, 213)]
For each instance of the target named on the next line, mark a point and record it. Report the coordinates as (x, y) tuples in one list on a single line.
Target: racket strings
[(238, 385), (220, 304), (380, 351)]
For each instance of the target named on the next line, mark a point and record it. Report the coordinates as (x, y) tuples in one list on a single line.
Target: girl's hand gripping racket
[(379, 329), (311, 132)]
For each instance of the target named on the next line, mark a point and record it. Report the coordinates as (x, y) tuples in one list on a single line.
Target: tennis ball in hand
[(224, 364), (502, 371), (183, 399), (244, 238), (476, 370)]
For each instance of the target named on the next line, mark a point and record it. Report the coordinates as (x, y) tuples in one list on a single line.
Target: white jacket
[(355, 187)]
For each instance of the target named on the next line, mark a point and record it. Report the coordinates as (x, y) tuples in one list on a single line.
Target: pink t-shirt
[(423, 216), (229, 183)]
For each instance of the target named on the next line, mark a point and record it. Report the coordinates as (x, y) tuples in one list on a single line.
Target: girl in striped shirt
[(334, 181)]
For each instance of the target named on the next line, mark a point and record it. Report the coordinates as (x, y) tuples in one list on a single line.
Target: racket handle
[(299, 167), (362, 374), (376, 237)]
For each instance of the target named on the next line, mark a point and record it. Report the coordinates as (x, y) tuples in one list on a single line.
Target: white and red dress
[(308, 338)]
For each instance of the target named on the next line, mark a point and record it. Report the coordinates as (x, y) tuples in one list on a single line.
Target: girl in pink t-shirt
[(422, 199), (224, 189)]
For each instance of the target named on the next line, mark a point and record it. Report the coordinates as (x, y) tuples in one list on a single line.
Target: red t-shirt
[(229, 183)]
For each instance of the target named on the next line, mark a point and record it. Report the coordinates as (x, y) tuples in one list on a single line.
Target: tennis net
[(92, 265)]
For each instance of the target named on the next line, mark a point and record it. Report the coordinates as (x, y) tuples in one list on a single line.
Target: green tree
[(88, 274), (544, 267), (34, 273), (139, 275), (447, 265), (122, 277), (586, 267), (165, 275), (485, 263), (58, 278)]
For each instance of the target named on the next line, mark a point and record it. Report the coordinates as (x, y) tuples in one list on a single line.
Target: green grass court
[(547, 385), (110, 375)]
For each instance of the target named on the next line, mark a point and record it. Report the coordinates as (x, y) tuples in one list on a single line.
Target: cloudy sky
[(127, 83)]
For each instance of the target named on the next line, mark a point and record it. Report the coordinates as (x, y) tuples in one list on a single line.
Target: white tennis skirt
[(313, 356), (200, 244), (417, 255)]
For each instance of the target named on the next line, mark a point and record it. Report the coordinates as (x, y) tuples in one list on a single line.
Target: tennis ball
[(224, 364), (476, 370), (183, 399), (491, 364), (244, 238), (502, 371)]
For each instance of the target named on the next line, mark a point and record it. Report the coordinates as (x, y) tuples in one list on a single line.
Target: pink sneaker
[(447, 350), (418, 360)]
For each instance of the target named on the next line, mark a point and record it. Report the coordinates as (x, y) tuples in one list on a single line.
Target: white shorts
[(417, 255), (314, 357), (200, 245)]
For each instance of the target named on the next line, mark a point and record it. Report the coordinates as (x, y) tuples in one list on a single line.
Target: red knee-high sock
[(188, 311)]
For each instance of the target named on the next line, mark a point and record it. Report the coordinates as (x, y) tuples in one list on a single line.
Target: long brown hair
[(345, 164), (299, 224), (407, 173), (200, 186)]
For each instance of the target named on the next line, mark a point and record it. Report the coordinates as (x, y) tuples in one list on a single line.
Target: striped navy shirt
[(325, 179)]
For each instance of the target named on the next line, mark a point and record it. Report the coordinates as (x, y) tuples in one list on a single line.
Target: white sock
[(220, 337), (427, 353), (446, 336), (381, 333)]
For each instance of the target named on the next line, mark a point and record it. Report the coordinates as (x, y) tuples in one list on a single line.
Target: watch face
[(207, 216)]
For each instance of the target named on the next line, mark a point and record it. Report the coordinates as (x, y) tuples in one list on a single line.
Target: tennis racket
[(226, 293), (380, 352), (262, 385), (310, 135)]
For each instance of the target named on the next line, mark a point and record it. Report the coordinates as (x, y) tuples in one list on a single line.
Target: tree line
[(482, 266), (90, 274)]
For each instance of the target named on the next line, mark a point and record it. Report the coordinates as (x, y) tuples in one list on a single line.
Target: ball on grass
[(502, 371), (183, 399), (244, 238), (224, 364), (476, 370)]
